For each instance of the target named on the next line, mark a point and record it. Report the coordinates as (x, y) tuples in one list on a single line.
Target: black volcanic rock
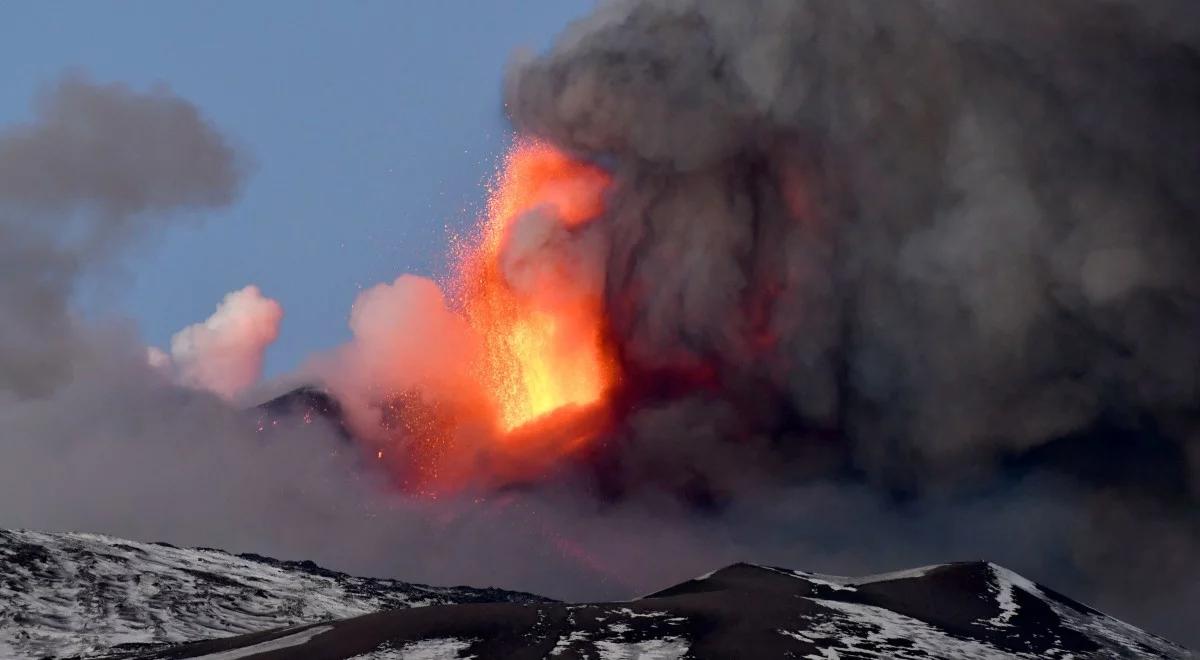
[(965, 610), (306, 404)]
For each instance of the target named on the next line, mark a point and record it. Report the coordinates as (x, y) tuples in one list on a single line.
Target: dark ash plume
[(962, 239)]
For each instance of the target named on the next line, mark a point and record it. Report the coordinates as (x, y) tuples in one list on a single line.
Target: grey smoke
[(98, 168), (95, 438), (998, 214), (946, 234)]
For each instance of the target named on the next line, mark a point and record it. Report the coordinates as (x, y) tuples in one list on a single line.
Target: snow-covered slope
[(971, 611), (86, 594)]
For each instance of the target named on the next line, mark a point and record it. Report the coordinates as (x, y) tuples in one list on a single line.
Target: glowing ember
[(540, 321)]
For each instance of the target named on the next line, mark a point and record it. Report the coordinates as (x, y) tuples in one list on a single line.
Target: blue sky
[(371, 125)]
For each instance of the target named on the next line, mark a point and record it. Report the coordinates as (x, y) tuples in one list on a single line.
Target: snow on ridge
[(1099, 627), (834, 582), (1108, 631), (847, 583), (1006, 581), (906, 574), (82, 594), (701, 578), (867, 631)]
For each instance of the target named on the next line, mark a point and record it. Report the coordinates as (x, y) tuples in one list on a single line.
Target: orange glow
[(543, 340)]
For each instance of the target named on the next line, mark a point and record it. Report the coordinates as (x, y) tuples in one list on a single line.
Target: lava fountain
[(527, 288), (505, 368)]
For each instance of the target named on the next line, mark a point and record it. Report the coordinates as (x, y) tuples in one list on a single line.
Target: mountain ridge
[(92, 595), (78, 594), (974, 610)]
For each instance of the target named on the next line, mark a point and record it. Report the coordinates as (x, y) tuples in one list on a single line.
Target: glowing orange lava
[(539, 321)]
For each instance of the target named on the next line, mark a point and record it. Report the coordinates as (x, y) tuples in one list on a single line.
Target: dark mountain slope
[(967, 610)]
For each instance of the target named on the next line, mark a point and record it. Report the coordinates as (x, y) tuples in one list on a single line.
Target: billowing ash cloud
[(922, 245), (959, 239), (224, 354)]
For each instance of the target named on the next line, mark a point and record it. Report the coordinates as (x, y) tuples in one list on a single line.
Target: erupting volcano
[(508, 365), (537, 315), (847, 286)]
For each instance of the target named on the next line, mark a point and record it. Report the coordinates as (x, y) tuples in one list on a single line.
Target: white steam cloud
[(405, 339), (224, 354)]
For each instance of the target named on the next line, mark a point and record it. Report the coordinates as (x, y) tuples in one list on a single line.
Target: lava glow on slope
[(521, 288)]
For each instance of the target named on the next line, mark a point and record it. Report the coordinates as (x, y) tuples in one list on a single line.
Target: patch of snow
[(382, 653), (667, 648), (287, 641), (907, 574), (565, 643), (832, 581), (637, 615), (447, 648), (866, 631), (843, 583), (701, 578), (1005, 575), (796, 634), (1004, 597)]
